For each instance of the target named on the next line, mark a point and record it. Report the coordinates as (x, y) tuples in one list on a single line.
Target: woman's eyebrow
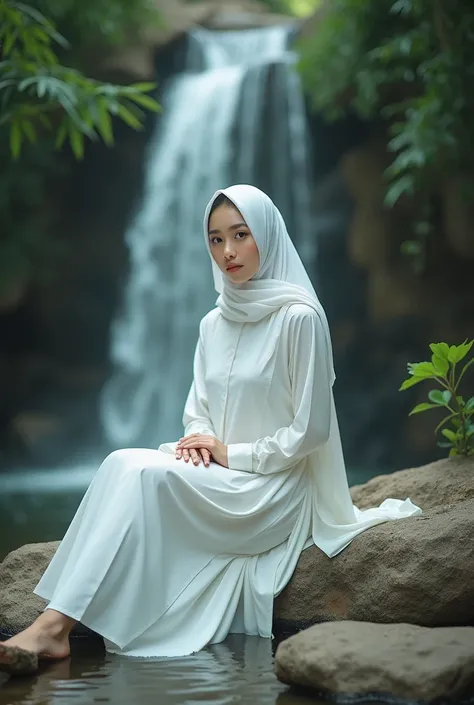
[(232, 227)]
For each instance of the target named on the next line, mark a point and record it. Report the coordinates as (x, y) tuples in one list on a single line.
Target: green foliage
[(296, 8), (457, 427), (91, 21), (44, 104), (38, 93), (409, 61)]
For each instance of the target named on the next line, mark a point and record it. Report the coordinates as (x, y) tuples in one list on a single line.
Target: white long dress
[(163, 557)]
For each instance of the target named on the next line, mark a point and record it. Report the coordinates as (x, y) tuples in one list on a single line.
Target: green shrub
[(44, 104), (457, 426), (38, 93)]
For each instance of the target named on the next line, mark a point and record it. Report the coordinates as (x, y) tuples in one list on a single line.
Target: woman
[(172, 549)]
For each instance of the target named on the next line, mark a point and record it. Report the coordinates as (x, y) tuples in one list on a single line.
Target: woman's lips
[(234, 268)]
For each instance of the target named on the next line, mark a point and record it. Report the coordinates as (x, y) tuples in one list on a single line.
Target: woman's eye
[(214, 240), (241, 233)]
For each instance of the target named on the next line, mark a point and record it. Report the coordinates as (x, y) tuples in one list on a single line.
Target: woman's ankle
[(55, 623)]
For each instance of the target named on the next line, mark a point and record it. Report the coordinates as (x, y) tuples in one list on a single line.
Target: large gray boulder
[(438, 484), (360, 659), (418, 570)]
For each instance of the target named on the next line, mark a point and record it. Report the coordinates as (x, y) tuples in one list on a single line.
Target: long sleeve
[(196, 411), (309, 369)]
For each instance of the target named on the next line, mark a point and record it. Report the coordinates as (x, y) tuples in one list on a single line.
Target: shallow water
[(238, 671)]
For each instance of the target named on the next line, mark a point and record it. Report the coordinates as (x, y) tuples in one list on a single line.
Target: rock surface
[(418, 570), (400, 659), (137, 61), (19, 574), (438, 484)]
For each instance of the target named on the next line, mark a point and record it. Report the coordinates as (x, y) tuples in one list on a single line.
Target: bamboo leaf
[(15, 139), (61, 134), (128, 117), (9, 42), (76, 139), (29, 130), (404, 184), (104, 124), (146, 102), (142, 87)]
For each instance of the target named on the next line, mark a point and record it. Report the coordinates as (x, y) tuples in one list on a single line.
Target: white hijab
[(280, 282), (281, 279)]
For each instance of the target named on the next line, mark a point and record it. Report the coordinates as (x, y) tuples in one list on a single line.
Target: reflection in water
[(238, 670)]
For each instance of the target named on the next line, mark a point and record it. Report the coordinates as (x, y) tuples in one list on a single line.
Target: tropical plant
[(38, 93), (411, 63), (45, 103), (457, 427)]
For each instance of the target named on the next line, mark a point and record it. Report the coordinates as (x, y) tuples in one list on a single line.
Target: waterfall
[(234, 115)]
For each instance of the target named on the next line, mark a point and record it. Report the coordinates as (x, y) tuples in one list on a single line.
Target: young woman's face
[(232, 245)]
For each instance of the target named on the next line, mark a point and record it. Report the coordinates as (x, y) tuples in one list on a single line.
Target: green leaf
[(143, 87), (450, 435), (440, 364), (469, 405), (464, 370), (422, 407), (459, 352), (61, 134), (9, 42), (146, 102), (453, 452), (29, 130), (42, 20), (15, 139), (440, 350), (469, 430), (105, 124), (410, 382), (405, 184), (76, 139), (443, 421), (422, 369), (128, 117), (441, 398)]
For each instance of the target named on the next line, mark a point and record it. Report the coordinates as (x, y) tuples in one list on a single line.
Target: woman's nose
[(229, 251)]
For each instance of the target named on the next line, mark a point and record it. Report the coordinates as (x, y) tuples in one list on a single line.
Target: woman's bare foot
[(47, 637)]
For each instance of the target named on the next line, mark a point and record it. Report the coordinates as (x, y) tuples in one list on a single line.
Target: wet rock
[(403, 660), (19, 573)]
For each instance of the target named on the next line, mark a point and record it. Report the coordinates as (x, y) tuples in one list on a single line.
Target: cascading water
[(235, 115)]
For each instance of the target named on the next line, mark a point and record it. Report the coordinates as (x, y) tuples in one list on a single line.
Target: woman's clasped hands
[(199, 447)]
